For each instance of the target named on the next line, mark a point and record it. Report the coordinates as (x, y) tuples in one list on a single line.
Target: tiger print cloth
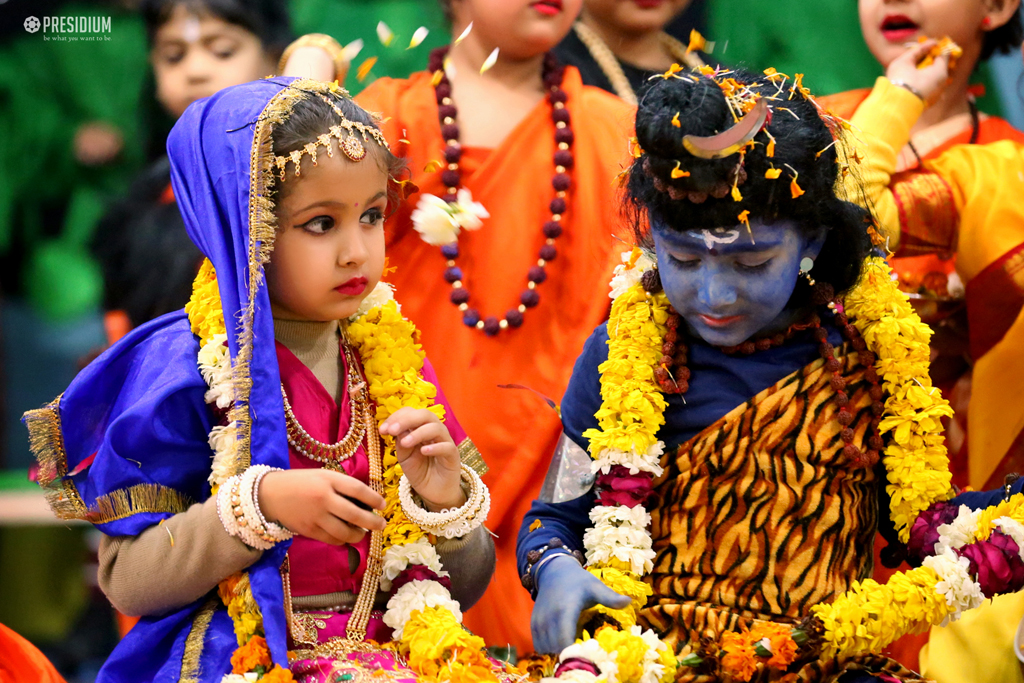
[(761, 516)]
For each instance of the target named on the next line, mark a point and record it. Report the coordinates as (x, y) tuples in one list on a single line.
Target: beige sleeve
[(881, 128), (151, 573), (470, 561)]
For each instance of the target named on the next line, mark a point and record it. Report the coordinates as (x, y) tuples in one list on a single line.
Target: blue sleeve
[(565, 521), (568, 521), (978, 500), (582, 397)]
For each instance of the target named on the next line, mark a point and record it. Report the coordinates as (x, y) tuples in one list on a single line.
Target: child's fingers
[(353, 488), (336, 532), (347, 511), (425, 434), (407, 419)]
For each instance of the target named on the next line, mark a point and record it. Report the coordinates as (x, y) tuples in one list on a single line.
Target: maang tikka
[(350, 136)]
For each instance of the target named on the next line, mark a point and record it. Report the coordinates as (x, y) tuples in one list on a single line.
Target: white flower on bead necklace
[(439, 222)]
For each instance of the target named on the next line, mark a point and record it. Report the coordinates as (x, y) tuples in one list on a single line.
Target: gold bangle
[(325, 43)]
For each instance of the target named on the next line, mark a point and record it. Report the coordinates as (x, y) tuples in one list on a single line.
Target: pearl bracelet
[(451, 522), (240, 514)]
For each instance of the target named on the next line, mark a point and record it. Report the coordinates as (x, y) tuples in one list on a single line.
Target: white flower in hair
[(440, 223), (635, 263)]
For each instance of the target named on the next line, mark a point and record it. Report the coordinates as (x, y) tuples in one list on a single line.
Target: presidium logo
[(70, 29)]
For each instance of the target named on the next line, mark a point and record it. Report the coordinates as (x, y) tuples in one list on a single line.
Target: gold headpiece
[(346, 132)]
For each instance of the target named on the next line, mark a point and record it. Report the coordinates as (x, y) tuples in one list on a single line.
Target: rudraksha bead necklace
[(452, 179)]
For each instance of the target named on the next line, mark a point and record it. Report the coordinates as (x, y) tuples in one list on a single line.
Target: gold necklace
[(611, 67), (333, 454)]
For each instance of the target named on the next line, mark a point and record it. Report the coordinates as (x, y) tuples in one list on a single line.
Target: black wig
[(805, 150)]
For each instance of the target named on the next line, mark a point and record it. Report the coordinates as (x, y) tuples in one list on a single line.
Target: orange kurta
[(21, 662), (513, 427)]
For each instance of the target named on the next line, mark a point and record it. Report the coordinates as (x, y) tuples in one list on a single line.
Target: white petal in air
[(418, 37), (449, 68), (490, 61), (462, 36), (384, 34), (352, 50)]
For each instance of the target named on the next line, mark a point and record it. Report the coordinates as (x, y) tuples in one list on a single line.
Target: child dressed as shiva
[(757, 405), (972, 206), (265, 475)]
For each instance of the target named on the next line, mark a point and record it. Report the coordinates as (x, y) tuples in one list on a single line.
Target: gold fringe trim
[(47, 445), (470, 455), (134, 500), (262, 230), (195, 642)]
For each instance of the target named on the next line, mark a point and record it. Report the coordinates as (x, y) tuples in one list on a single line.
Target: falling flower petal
[(677, 173), (449, 68), (364, 69), (770, 149), (462, 36), (795, 189), (736, 196), (697, 41), (418, 37), (388, 269), (384, 34), (352, 50), (744, 218), (535, 525), (433, 165), (436, 78), (773, 173), (675, 120), (491, 60)]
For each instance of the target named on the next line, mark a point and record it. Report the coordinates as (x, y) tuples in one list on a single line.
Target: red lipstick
[(353, 287), (898, 28), (548, 8), (719, 322), (648, 4)]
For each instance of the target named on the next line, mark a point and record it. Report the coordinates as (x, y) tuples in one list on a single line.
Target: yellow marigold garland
[(915, 459), (392, 361), (632, 405), (203, 308)]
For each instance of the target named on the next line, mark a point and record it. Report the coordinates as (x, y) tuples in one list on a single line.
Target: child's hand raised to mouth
[(924, 81)]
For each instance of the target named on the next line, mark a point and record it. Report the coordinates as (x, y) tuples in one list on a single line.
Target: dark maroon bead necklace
[(452, 179)]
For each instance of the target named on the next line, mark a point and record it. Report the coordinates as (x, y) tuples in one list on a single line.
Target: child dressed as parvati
[(266, 476)]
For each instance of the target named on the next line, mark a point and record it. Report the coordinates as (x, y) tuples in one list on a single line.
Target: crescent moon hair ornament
[(731, 141)]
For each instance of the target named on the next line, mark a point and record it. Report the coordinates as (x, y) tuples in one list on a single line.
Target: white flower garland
[(620, 534), (960, 590), (635, 462), (417, 596), (397, 559), (959, 532), (634, 264)]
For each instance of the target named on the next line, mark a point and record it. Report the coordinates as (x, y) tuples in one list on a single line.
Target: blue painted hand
[(729, 284), (565, 589)]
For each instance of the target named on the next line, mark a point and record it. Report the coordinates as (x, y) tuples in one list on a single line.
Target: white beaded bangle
[(451, 522), (239, 512)]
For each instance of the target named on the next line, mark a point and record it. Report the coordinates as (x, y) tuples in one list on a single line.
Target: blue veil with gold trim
[(126, 445)]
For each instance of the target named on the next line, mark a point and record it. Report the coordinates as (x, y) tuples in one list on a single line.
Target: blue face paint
[(726, 287)]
